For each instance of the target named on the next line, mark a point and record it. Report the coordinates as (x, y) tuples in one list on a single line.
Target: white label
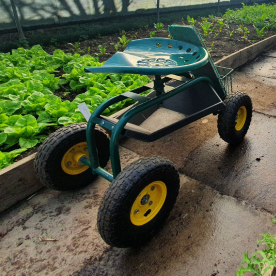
[(84, 110)]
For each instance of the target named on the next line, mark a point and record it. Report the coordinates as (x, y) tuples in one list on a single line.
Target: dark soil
[(219, 44)]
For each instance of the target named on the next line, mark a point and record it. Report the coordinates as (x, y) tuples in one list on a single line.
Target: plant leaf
[(65, 121), (3, 138), (27, 143)]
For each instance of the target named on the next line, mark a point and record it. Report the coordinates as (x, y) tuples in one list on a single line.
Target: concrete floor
[(226, 201)]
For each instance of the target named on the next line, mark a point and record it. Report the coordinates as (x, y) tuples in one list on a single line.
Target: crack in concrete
[(20, 222), (265, 55), (267, 77), (265, 114), (256, 75)]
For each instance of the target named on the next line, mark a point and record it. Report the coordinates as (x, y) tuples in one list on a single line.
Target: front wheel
[(234, 121), (56, 162), (138, 201)]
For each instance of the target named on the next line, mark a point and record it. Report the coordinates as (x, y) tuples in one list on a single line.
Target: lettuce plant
[(28, 104)]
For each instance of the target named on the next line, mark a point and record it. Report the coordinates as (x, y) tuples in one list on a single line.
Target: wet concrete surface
[(206, 234), (246, 171), (263, 69), (263, 97)]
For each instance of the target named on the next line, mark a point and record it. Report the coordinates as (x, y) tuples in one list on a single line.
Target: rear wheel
[(234, 121), (138, 201), (57, 160)]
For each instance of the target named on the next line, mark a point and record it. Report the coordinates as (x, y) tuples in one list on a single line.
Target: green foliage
[(124, 41), (246, 32), (83, 37), (6, 158), (158, 26), (102, 50), (230, 33), (28, 105), (221, 24), (259, 263), (190, 20), (76, 47), (210, 49), (257, 15), (152, 34), (213, 18), (261, 32), (206, 27), (243, 31), (53, 42), (240, 29), (21, 127), (116, 46)]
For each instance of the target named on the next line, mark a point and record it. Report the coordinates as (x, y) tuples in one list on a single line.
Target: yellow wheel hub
[(70, 161), (148, 203), (241, 118)]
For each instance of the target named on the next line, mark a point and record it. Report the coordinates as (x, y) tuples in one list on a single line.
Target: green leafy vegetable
[(6, 158), (27, 101), (3, 138)]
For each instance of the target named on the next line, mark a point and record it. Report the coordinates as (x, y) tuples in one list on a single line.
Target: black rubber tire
[(47, 163), (226, 119), (114, 223)]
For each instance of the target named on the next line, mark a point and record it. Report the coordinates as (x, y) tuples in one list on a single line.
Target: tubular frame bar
[(119, 127)]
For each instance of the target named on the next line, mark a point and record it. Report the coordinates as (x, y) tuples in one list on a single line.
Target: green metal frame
[(118, 128), (207, 73)]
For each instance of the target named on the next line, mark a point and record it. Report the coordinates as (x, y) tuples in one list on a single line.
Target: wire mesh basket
[(226, 78)]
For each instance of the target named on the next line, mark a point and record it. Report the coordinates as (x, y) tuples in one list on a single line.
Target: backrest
[(191, 35)]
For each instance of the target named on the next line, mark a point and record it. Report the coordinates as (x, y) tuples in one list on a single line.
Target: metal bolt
[(72, 150), (150, 203), (136, 211), (69, 163), (152, 188), (145, 199), (80, 161)]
